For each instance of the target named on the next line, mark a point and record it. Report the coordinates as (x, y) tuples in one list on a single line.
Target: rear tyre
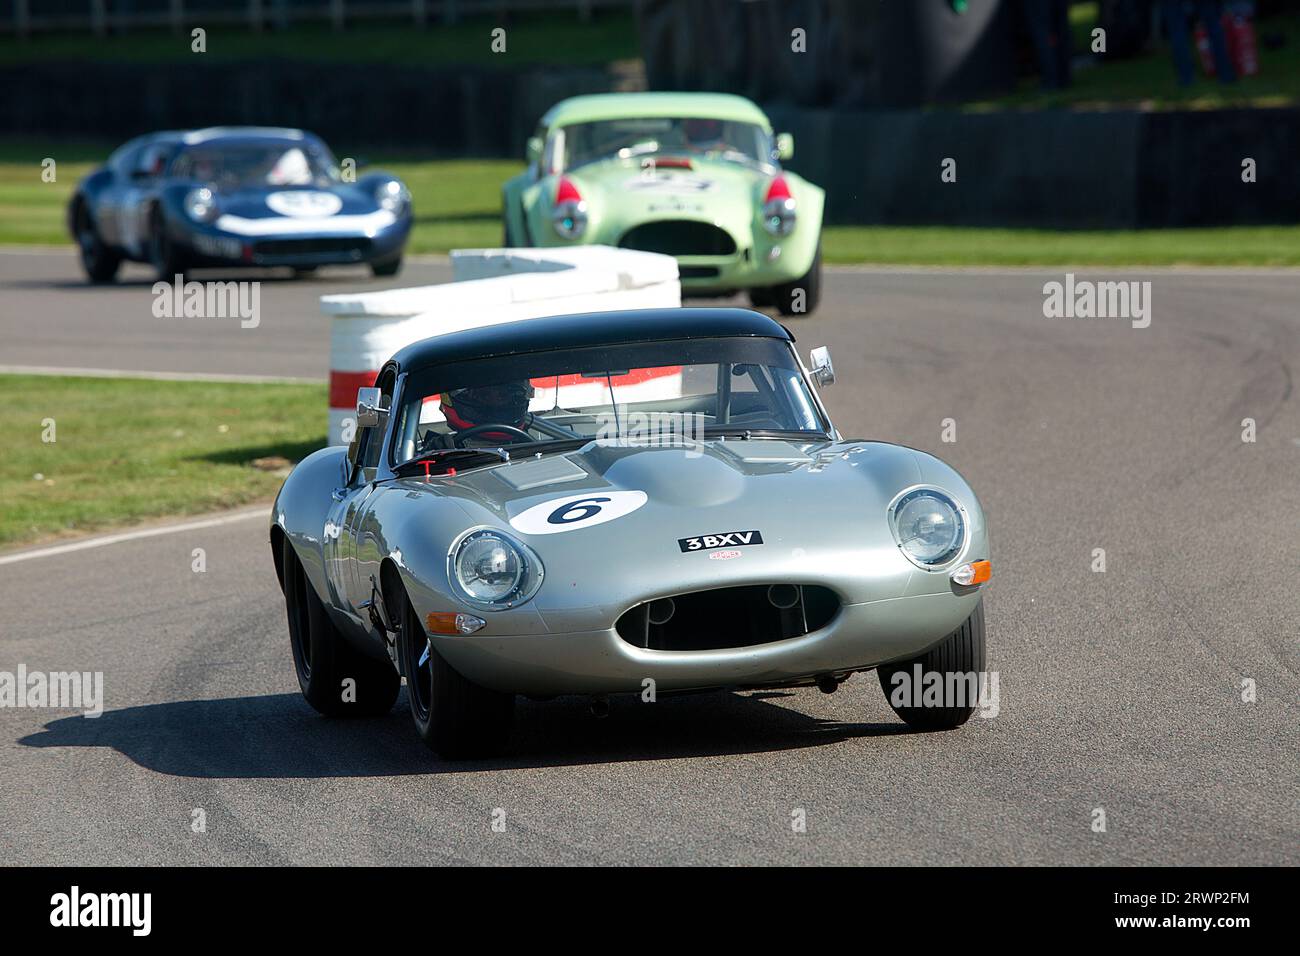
[(387, 267), (962, 652), (802, 296), (456, 718), (324, 660), (100, 262)]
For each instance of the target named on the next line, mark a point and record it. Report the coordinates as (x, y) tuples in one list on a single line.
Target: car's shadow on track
[(280, 736)]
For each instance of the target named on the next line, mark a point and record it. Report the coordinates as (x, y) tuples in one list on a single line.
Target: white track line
[(88, 543), (158, 376)]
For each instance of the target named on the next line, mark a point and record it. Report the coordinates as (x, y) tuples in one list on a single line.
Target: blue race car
[(235, 196)]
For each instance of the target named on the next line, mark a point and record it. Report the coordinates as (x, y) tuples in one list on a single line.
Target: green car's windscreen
[(582, 143), (687, 389)]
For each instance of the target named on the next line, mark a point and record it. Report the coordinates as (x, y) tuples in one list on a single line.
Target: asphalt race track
[(1119, 690)]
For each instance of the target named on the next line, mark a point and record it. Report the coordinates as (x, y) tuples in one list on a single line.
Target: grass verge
[(130, 449), (1258, 246), (458, 203)]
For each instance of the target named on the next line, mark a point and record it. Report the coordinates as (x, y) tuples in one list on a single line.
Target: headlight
[(493, 571), (928, 527), (779, 216), (392, 196), (570, 218), (201, 204)]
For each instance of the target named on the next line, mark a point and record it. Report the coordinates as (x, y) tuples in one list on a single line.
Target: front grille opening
[(346, 245), (728, 617), (679, 237)]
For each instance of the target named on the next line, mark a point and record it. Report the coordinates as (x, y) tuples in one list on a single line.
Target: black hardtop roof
[(587, 329)]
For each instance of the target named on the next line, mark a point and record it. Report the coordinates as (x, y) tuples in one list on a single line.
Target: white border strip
[(88, 543)]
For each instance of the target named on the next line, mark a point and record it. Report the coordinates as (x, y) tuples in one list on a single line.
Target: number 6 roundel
[(573, 512)]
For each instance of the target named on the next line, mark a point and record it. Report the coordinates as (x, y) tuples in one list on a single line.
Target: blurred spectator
[(1210, 12), (1049, 28)]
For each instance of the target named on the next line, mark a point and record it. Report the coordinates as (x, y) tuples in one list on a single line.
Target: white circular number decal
[(577, 511), (304, 204)]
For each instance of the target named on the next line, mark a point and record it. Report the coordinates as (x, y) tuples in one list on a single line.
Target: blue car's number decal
[(577, 511)]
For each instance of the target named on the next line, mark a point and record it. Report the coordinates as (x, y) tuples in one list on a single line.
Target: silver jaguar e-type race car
[(646, 502)]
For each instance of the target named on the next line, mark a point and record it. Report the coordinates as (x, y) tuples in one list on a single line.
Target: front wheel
[(456, 718), (387, 267), (100, 262), (335, 679), (957, 662), (802, 296), (164, 256)]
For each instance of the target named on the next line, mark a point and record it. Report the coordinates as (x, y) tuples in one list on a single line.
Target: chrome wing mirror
[(823, 370), (369, 411)]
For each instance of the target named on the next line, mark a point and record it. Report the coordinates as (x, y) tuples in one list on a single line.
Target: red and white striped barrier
[(494, 286)]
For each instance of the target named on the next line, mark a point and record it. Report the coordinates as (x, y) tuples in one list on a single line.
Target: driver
[(704, 135), (505, 404)]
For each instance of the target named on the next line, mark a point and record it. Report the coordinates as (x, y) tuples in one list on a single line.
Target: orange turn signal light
[(453, 622), (969, 575)]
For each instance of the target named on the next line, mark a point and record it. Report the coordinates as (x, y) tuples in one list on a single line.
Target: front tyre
[(386, 267), (335, 678), (164, 255), (455, 717), (961, 653), (802, 296), (100, 262)]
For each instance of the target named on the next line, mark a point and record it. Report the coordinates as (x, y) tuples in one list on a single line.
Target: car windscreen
[(633, 138), (238, 165), (676, 390)]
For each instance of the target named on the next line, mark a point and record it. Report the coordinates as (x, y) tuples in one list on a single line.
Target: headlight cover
[(779, 216), (392, 196), (491, 570), (928, 526), (570, 218), (201, 204)]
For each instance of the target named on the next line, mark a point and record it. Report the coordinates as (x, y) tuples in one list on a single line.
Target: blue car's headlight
[(491, 570), (201, 204), (928, 527), (392, 196)]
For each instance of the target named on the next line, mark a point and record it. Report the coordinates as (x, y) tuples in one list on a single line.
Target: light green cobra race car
[(693, 175)]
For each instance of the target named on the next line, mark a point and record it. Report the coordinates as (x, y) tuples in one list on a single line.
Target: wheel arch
[(300, 511), (811, 205)]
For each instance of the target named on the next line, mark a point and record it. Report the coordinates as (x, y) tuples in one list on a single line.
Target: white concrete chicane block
[(490, 287)]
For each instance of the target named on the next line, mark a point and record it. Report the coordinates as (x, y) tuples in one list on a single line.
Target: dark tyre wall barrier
[(1051, 169), (859, 53), (459, 111)]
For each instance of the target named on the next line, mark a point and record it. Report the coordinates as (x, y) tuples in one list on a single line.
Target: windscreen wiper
[(739, 431)]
